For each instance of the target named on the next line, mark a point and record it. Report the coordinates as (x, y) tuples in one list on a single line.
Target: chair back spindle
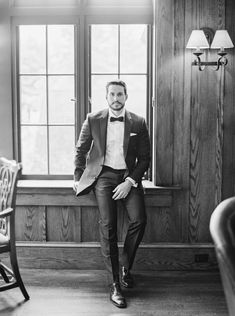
[(9, 170)]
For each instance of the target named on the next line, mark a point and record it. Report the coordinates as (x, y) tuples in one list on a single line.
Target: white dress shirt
[(114, 156)]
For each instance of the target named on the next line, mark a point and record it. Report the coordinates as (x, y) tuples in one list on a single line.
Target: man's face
[(116, 97)]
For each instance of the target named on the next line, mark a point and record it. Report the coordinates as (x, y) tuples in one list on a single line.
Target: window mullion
[(119, 39), (76, 81), (89, 68), (81, 68), (47, 104)]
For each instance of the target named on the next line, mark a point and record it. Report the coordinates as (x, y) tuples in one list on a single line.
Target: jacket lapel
[(127, 131), (103, 130)]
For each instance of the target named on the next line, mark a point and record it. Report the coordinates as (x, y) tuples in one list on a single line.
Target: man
[(112, 155)]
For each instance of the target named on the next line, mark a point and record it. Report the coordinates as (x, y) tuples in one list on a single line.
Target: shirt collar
[(121, 114)]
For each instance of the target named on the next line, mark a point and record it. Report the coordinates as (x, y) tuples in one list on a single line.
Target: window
[(62, 67), (46, 85), (119, 51)]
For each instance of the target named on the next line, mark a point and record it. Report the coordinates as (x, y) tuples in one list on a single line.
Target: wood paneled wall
[(228, 187), (55, 229), (57, 215), (194, 114)]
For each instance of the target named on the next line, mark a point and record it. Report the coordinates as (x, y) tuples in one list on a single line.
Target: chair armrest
[(7, 212), (226, 258)]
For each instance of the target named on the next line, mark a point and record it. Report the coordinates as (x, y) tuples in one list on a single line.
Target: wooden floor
[(73, 292)]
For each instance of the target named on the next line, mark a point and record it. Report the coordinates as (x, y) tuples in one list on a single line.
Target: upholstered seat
[(222, 228), (4, 240), (8, 180)]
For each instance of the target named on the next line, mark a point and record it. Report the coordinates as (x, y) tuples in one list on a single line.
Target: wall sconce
[(198, 41)]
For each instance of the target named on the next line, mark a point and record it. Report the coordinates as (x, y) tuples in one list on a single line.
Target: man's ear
[(126, 96)]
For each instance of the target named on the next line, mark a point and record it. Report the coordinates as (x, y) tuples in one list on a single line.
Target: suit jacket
[(90, 149)]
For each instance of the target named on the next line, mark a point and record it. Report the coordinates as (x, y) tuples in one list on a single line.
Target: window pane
[(46, 89), (34, 149), (61, 108), (61, 139), (33, 99), (136, 90), (104, 48), (32, 57), (98, 96), (61, 49), (133, 48)]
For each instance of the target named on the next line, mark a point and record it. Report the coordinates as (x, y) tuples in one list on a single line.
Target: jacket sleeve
[(143, 154), (82, 147)]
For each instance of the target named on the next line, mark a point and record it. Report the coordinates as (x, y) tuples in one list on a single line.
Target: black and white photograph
[(117, 158)]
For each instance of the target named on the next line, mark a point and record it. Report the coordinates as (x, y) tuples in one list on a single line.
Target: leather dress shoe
[(126, 278), (116, 296)]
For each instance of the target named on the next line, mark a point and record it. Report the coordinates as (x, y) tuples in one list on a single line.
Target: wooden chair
[(222, 228), (8, 180)]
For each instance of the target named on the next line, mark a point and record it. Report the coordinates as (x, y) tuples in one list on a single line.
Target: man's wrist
[(132, 181)]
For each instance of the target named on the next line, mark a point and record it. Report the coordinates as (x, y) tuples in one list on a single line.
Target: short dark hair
[(117, 83)]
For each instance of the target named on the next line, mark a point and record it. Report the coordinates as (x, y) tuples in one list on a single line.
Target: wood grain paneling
[(161, 227), (196, 132), (228, 185), (30, 223), (164, 24), (53, 197), (64, 197), (204, 99), (202, 165), (63, 223), (181, 124), (219, 139), (194, 206), (69, 218), (90, 224), (203, 154), (88, 256)]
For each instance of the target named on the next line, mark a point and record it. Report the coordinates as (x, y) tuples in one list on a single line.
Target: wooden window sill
[(68, 184), (60, 192)]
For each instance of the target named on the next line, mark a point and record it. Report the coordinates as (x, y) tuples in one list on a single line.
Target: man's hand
[(122, 190), (75, 185)]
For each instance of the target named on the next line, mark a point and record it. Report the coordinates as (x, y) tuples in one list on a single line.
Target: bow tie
[(113, 119)]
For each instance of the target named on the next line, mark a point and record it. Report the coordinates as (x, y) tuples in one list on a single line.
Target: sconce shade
[(222, 40), (197, 40)]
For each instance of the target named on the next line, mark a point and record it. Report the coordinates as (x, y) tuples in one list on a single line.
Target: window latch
[(153, 103)]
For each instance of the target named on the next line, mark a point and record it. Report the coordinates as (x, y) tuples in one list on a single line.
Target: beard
[(117, 106)]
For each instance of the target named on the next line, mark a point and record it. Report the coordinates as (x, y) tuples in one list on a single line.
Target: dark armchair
[(8, 179), (222, 228)]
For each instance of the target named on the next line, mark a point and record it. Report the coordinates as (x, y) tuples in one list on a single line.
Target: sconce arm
[(198, 62), (222, 61)]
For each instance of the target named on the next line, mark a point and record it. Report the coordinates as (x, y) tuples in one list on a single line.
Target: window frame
[(50, 20), (82, 21)]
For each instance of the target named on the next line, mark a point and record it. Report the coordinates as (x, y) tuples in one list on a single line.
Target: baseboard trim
[(161, 256), (120, 244)]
